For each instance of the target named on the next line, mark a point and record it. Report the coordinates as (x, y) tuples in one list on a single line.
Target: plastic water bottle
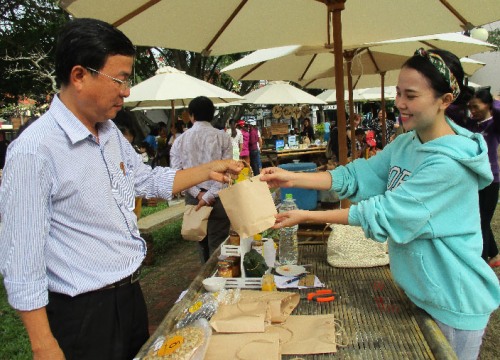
[(289, 246)]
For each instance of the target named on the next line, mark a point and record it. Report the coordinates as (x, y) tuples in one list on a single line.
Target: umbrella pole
[(172, 113), (382, 97), (335, 8), (348, 55)]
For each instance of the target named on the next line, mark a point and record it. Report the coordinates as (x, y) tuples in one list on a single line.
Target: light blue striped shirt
[(201, 144), (66, 206)]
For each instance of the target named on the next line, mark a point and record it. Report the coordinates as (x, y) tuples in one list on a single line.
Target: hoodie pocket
[(409, 272)]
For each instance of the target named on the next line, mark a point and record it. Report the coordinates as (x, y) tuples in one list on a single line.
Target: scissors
[(324, 295)]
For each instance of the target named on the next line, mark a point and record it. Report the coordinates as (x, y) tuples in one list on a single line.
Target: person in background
[(175, 132), (487, 123), (162, 156), (151, 137), (414, 194), (326, 136), (307, 130), (3, 149), (254, 144), (245, 146), (199, 145), (71, 266), (376, 125), (236, 139)]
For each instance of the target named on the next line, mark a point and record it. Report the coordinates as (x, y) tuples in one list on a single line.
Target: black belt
[(126, 281)]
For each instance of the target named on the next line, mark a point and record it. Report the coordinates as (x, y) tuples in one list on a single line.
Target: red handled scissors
[(324, 295)]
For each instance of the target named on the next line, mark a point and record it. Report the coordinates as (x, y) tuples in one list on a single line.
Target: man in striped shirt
[(69, 238), (200, 144)]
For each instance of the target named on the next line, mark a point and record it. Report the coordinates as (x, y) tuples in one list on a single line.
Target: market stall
[(373, 318)]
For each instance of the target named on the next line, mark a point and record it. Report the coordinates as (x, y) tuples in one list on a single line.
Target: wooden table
[(274, 156), (379, 320)]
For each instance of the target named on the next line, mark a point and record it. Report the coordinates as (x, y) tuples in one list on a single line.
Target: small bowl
[(213, 284), (296, 161)]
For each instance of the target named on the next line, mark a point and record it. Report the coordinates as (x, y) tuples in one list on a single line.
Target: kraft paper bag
[(280, 303), (194, 223), (249, 206), (240, 318), (244, 347), (306, 334)]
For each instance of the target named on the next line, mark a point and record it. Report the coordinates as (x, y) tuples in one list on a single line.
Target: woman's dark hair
[(436, 79), (202, 109), (88, 42), (484, 96), (232, 122), (179, 126)]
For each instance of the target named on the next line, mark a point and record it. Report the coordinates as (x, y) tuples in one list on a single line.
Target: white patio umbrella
[(330, 95), (230, 26), (280, 92), (470, 66), (171, 88), (298, 63)]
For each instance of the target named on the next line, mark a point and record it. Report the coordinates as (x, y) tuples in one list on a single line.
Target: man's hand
[(277, 177), (224, 170), (202, 202)]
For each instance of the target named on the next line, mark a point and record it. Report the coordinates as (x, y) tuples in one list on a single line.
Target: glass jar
[(225, 269)]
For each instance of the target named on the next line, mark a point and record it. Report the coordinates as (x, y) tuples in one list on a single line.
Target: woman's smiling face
[(416, 101)]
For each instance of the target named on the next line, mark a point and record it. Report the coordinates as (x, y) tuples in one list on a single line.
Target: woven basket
[(349, 248)]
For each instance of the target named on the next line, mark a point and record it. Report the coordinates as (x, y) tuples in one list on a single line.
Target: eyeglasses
[(124, 84)]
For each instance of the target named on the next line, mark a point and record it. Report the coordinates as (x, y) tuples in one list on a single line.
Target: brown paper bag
[(240, 318), (244, 347), (306, 334), (194, 223), (249, 206), (280, 303)]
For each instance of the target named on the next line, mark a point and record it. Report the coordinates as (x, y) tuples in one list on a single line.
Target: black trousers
[(107, 324), (488, 198), (217, 228)]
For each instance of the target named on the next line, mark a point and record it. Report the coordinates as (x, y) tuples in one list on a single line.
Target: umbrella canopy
[(280, 92), (230, 26), (330, 95), (171, 87), (470, 66), (298, 62)]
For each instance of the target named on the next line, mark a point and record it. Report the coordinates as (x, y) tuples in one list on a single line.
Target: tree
[(494, 38), (28, 31)]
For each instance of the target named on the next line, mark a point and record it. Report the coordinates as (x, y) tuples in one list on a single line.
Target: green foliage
[(319, 129), (148, 210), (494, 38), (13, 336), (166, 237)]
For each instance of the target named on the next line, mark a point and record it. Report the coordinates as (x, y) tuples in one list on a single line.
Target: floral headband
[(444, 70)]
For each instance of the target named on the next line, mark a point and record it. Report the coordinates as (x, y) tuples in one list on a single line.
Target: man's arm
[(43, 343), (218, 170)]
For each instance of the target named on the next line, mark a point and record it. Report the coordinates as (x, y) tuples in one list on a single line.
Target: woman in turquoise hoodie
[(421, 195)]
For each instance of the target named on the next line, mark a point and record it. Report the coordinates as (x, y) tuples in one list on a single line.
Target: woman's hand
[(277, 177), (290, 218)]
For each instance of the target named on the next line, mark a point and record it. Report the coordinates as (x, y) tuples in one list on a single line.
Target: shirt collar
[(72, 126), (201, 124)]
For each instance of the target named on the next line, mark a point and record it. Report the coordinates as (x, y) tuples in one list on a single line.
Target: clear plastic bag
[(187, 343)]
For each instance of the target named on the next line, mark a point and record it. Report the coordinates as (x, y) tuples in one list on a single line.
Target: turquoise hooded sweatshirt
[(423, 199)]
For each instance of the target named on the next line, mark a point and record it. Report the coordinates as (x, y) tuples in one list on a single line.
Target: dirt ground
[(163, 283)]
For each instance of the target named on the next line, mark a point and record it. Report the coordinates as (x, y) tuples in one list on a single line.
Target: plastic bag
[(187, 343)]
